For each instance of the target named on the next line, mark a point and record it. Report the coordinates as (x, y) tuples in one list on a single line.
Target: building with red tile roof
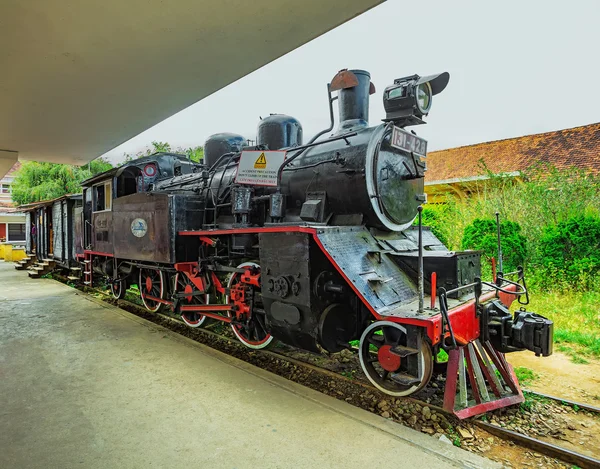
[(455, 169)]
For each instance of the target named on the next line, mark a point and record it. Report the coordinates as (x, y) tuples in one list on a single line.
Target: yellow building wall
[(7, 252), (18, 254), (12, 254)]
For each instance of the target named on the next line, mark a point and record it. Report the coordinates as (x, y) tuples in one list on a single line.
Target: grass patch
[(579, 360), (530, 401), (525, 375), (453, 434), (576, 319), (574, 352), (133, 297), (442, 356)]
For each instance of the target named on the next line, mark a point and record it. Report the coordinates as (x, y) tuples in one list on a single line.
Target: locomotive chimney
[(353, 99)]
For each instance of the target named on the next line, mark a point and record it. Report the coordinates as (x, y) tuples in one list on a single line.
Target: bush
[(482, 235), (431, 218), (571, 249)]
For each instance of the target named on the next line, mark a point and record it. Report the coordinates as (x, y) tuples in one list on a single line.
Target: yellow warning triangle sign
[(261, 162)]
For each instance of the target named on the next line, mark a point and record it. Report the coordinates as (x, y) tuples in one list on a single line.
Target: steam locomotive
[(313, 244)]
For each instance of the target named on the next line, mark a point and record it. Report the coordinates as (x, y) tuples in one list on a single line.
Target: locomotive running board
[(491, 383)]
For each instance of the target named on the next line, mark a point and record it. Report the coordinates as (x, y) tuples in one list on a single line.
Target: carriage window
[(16, 232), (102, 197)]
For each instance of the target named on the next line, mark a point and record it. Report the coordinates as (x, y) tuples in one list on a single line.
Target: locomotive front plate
[(406, 141)]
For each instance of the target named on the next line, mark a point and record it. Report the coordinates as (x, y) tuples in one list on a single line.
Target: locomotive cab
[(105, 194)]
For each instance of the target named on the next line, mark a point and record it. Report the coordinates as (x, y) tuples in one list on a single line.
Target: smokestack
[(354, 102)]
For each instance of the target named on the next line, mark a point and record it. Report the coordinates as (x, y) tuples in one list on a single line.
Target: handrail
[(477, 285)]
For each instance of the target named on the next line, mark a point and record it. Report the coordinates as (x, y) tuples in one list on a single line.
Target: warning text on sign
[(259, 168)]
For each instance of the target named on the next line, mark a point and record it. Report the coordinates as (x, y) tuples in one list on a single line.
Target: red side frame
[(463, 317)]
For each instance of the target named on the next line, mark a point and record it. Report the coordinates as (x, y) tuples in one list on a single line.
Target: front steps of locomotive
[(478, 380)]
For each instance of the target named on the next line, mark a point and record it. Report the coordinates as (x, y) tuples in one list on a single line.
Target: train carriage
[(50, 229)]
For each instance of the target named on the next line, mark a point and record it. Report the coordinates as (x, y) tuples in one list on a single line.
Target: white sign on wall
[(259, 168)]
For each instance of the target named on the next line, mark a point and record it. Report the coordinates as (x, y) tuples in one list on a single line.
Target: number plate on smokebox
[(406, 141)]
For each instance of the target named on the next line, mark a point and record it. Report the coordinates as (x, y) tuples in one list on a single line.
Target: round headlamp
[(424, 97), (408, 100)]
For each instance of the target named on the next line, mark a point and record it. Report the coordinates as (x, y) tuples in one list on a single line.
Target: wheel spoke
[(376, 340), (385, 375), (255, 329), (259, 320), (391, 336)]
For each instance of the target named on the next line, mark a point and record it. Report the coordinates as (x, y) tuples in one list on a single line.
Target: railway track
[(558, 452), (581, 405)]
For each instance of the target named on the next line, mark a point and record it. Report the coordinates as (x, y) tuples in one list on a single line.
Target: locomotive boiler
[(387, 181), (313, 244)]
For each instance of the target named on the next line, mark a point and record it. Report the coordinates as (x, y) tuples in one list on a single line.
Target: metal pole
[(421, 287), (499, 245)]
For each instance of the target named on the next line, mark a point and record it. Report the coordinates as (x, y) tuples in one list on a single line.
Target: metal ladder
[(87, 269)]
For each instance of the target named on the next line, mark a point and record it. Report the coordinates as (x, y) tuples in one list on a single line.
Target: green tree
[(37, 181), (194, 153)]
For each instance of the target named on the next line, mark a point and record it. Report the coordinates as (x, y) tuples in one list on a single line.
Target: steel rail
[(548, 449), (581, 405)]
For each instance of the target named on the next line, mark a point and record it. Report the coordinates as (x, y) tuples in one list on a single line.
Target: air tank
[(279, 131), (219, 144)]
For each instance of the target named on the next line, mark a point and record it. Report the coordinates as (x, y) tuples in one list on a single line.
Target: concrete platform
[(86, 385)]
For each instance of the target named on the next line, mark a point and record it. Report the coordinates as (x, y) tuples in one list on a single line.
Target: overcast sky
[(516, 68)]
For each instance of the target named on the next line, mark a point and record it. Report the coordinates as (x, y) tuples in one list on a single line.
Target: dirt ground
[(559, 376)]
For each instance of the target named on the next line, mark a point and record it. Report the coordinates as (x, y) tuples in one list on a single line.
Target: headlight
[(409, 98), (424, 97)]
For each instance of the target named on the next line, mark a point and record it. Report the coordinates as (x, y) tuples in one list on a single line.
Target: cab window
[(102, 197), (127, 183)]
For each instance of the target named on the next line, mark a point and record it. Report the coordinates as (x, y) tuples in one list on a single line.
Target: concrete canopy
[(79, 78)]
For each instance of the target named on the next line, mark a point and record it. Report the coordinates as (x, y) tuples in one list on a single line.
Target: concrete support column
[(7, 161)]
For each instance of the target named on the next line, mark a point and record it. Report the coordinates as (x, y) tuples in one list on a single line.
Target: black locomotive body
[(313, 244)]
